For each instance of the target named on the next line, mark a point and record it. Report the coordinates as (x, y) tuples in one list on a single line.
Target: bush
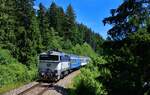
[(87, 83), (11, 71), (6, 58)]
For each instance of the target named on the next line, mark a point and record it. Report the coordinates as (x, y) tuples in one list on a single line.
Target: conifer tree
[(28, 31), (127, 18), (52, 15), (56, 18), (8, 25), (43, 25), (60, 21), (70, 24), (70, 16), (7, 21)]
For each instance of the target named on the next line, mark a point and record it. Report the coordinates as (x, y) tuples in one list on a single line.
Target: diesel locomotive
[(54, 65)]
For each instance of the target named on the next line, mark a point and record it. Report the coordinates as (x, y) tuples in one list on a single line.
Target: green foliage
[(55, 40), (126, 71), (87, 83), (129, 68), (127, 18), (52, 15), (7, 21), (17, 73), (70, 23), (67, 45), (12, 71), (128, 50), (6, 58), (87, 35), (80, 50), (24, 34)]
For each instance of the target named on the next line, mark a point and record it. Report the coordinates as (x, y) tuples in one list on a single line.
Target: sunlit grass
[(71, 87), (12, 86)]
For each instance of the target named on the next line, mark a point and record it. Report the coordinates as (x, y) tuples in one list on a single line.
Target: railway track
[(42, 88), (37, 89)]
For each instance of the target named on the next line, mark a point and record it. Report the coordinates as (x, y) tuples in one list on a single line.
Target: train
[(54, 65)]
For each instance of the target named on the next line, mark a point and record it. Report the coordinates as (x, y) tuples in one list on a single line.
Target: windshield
[(49, 57)]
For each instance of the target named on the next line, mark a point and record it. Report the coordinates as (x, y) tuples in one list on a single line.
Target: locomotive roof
[(62, 53), (53, 53)]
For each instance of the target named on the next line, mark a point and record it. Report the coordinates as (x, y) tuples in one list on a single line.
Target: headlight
[(42, 74)]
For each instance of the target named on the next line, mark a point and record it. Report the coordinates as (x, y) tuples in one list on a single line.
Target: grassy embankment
[(12, 73)]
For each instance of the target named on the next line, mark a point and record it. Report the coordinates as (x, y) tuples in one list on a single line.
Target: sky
[(88, 12)]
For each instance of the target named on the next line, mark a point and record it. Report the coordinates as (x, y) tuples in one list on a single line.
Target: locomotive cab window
[(49, 57)]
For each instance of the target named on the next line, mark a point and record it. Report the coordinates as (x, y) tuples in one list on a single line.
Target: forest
[(123, 68), (26, 32), (120, 64)]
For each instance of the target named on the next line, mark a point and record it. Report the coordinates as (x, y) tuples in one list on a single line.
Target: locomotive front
[(49, 66)]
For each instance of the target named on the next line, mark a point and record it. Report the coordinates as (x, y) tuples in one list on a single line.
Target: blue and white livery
[(54, 65)]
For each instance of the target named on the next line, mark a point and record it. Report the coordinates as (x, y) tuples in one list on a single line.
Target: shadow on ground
[(62, 90)]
